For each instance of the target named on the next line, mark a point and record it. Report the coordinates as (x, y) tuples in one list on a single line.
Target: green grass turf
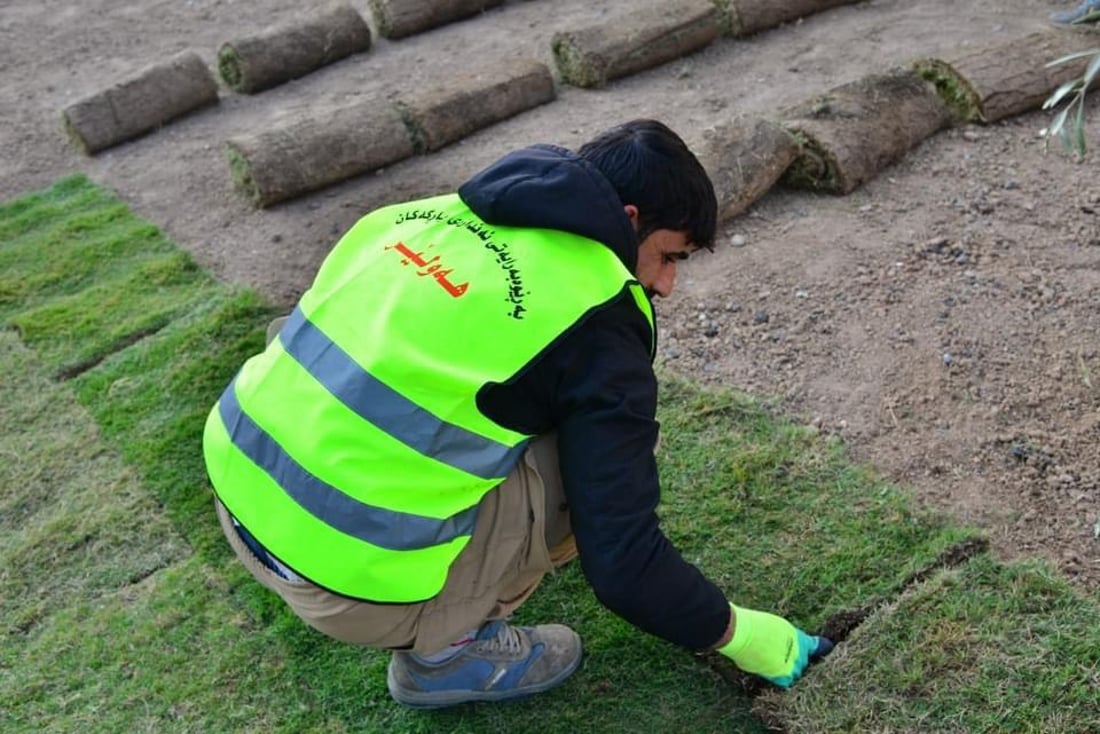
[(982, 648), (113, 621), (75, 520)]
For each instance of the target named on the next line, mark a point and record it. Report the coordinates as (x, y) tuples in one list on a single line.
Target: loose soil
[(943, 319)]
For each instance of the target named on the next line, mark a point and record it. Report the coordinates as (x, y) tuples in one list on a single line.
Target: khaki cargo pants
[(522, 533)]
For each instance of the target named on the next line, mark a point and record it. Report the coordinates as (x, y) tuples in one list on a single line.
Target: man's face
[(658, 254), (657, 258)]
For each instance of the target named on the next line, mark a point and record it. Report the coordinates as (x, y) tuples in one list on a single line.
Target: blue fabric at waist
[(261, 553)]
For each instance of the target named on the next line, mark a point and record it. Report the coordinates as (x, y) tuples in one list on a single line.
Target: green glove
[(771, 647)]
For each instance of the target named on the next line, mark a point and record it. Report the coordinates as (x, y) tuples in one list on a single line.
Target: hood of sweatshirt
[(547, 187)]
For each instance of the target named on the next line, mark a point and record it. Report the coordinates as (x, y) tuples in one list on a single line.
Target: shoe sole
[(443, 699)]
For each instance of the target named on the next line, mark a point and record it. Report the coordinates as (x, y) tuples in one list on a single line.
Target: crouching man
[(463, 400)]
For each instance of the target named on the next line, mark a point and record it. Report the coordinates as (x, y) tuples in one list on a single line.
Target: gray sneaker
[(1087, 11), (503, 663)]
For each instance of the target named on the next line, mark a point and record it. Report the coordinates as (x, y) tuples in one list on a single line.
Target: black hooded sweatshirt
[(595, 386)]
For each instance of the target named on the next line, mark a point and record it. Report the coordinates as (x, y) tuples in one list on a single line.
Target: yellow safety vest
[(352, 448)]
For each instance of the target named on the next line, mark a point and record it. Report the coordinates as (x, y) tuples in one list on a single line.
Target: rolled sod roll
[(636, 41), (157, 94), (1010, 78), (290, 50), (317, 150), (744, 158), (444, 113), (746, 17), (400, 18), (854, 131)]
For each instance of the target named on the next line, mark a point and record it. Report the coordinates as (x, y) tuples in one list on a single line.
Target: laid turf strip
[(144, 335), (777, 516), (112, 622), (75, 521), (982, 648)]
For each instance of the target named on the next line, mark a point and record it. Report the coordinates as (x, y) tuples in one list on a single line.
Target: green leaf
[(1092, 17), (1059, 122), (1091, 71), (1065, 135), (1073, 57), (1060, 92)]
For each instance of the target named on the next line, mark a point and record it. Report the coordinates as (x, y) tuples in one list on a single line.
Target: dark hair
[(650, 167)]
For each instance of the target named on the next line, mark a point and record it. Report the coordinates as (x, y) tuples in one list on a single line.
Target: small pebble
[(737, 240)]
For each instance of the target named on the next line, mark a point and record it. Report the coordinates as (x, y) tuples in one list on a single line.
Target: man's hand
[(769, 646)]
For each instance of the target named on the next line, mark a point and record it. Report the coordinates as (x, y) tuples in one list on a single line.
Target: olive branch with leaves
[(1069, 124)]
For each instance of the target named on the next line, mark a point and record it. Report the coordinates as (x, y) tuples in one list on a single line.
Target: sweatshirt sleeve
[(600, 394)]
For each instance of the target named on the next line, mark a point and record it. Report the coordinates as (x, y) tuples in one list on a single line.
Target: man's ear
[(632, 214)]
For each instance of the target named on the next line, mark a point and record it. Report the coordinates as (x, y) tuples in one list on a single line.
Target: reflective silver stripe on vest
[(384, 528), (390, 411)]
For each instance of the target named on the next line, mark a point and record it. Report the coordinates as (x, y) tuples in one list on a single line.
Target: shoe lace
[(506, 640)]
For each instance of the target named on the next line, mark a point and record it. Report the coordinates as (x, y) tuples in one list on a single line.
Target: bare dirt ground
[(944, 319)]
